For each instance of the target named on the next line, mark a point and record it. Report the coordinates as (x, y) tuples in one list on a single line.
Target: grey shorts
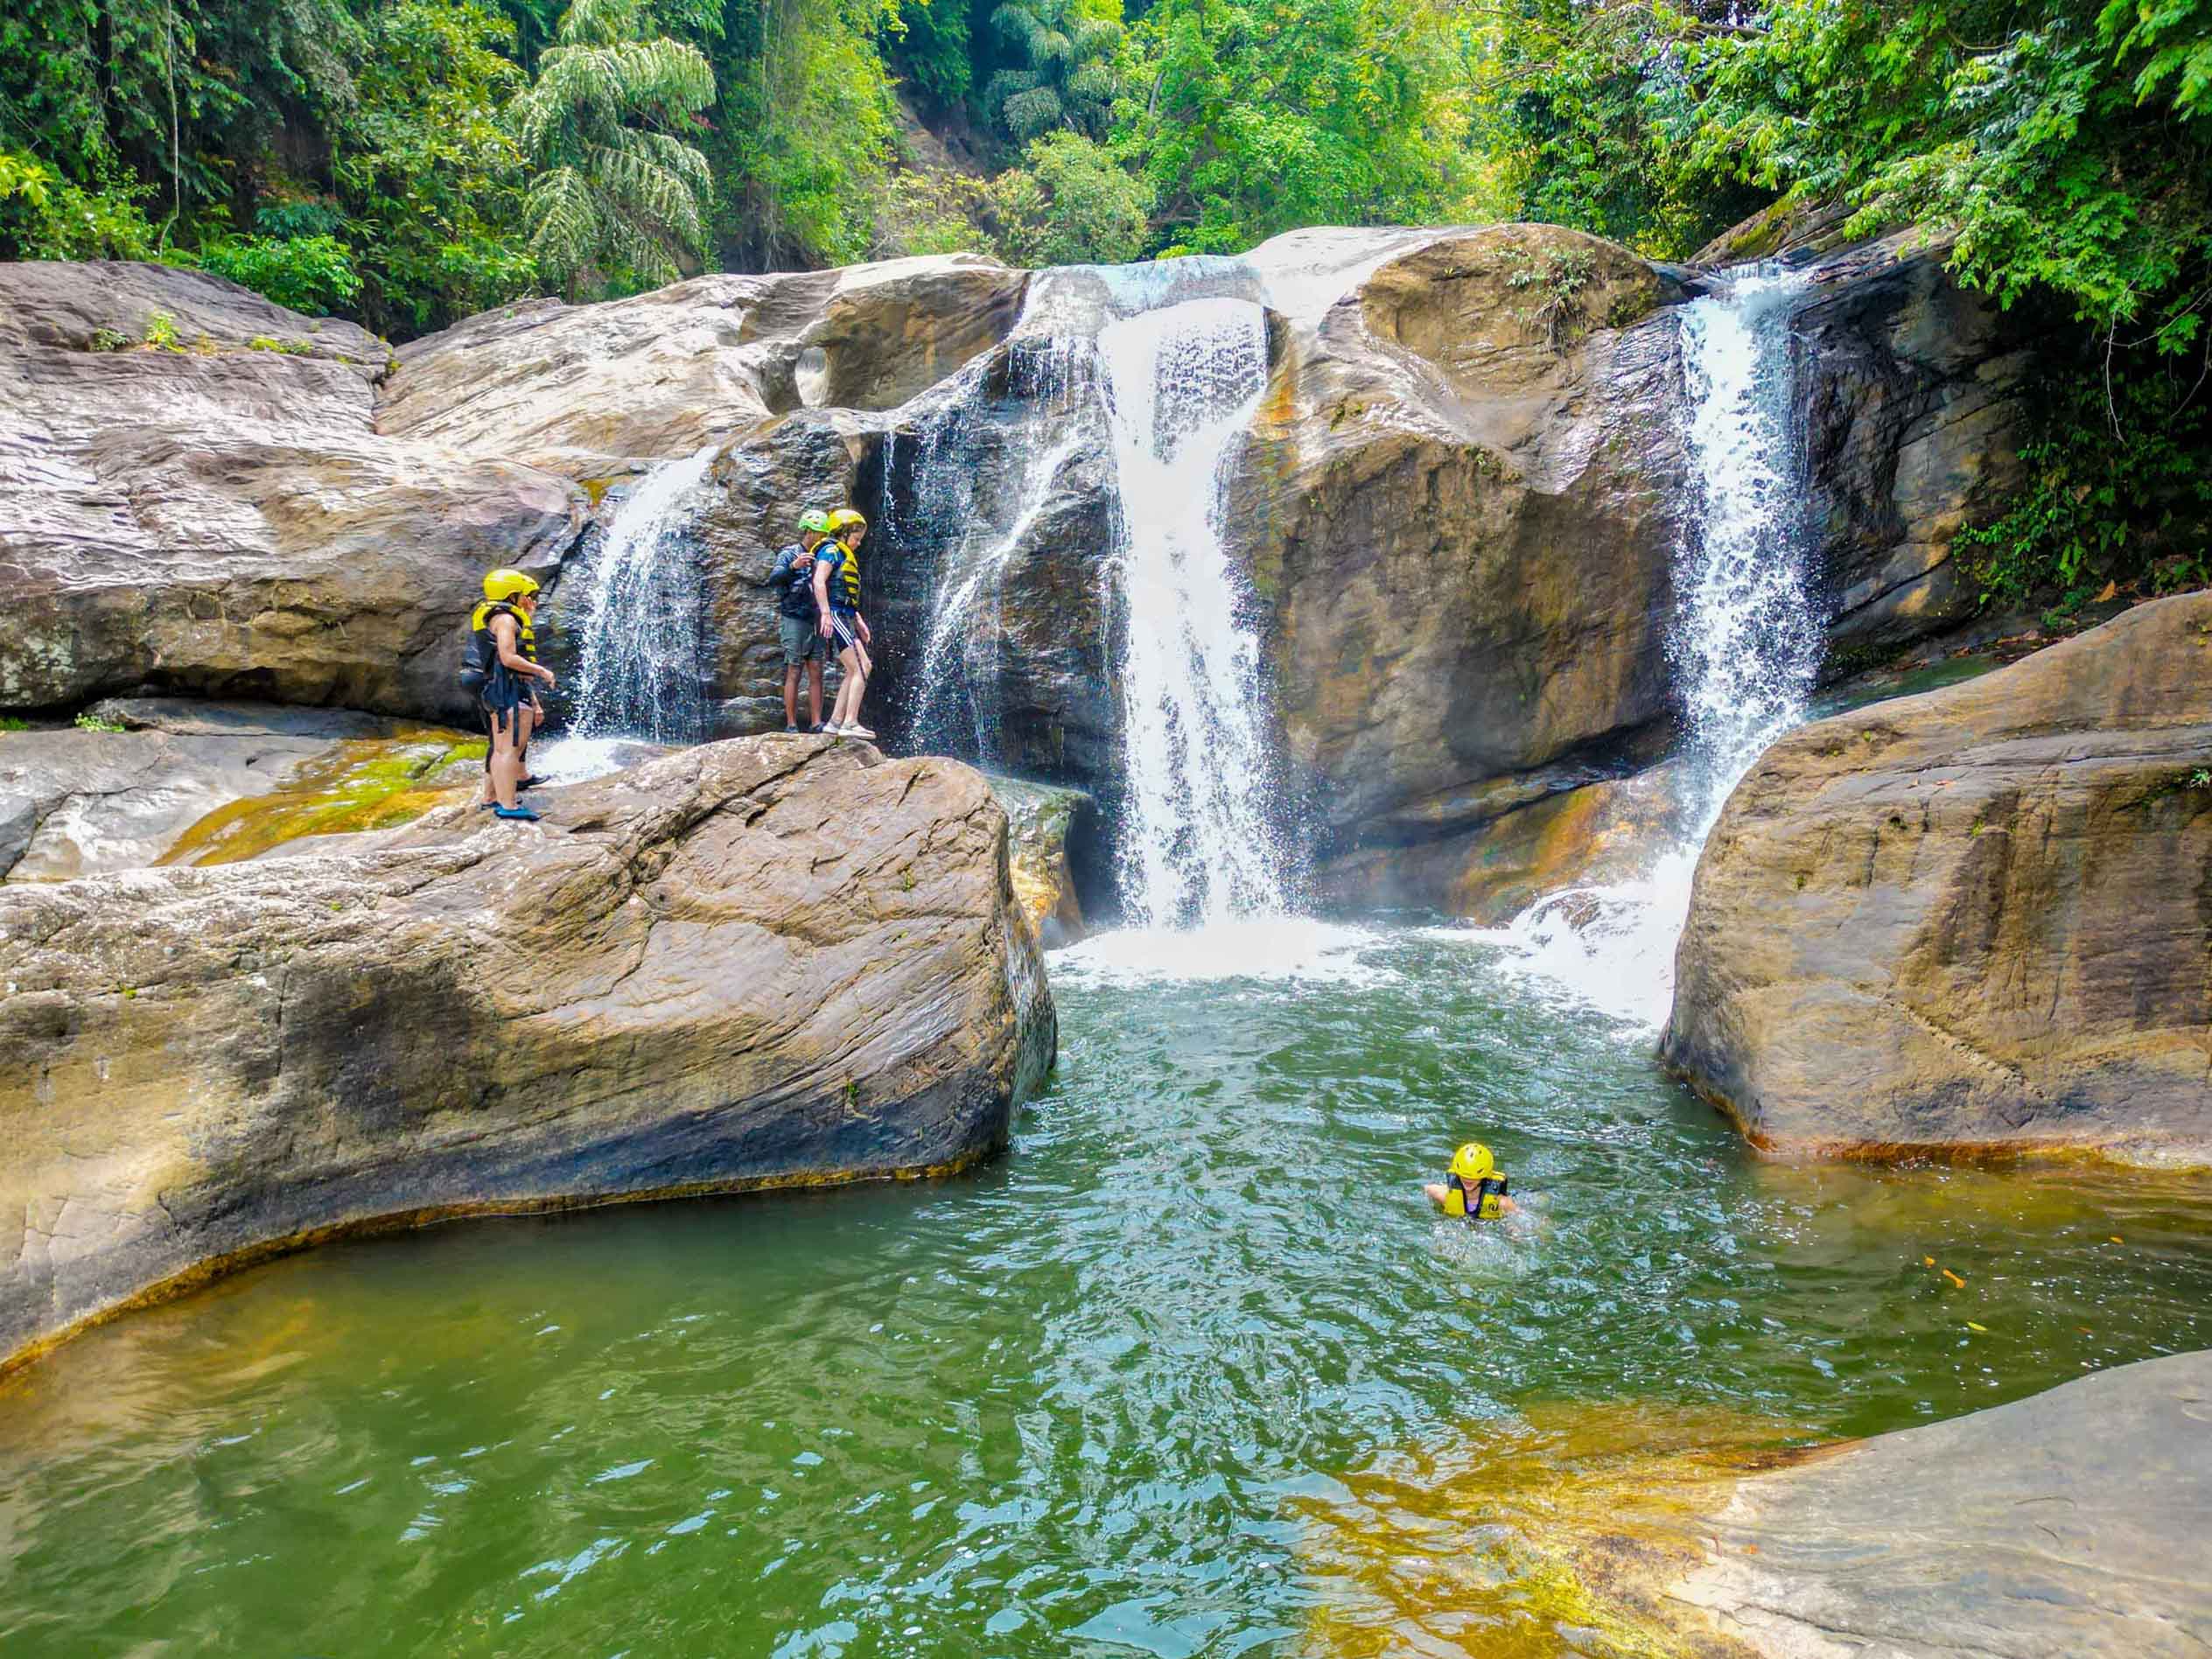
[(802, 639)]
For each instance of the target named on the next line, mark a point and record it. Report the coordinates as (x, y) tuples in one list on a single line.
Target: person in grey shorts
[(797, 621)]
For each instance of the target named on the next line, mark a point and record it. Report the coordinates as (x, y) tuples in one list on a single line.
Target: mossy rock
[(377, 783)]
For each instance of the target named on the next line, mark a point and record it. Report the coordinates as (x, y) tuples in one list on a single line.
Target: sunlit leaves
[(616, 191)]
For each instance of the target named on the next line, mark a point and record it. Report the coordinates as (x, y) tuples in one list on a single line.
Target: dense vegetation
[(409, 161)]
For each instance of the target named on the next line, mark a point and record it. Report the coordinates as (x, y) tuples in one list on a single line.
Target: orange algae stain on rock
[(1551, 1534), (376, 783)]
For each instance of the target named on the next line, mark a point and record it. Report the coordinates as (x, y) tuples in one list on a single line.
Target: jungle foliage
[(407, 162)]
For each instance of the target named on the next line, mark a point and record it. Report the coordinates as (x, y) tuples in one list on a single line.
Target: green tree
[(431, 178), (1070, 204), (616, 198), (1250, 117), (1062, 77)]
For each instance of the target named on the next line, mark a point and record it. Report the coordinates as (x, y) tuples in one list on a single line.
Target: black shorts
[(844, 635)]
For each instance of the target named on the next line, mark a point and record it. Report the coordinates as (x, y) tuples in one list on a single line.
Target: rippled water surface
[(1118, 1394)]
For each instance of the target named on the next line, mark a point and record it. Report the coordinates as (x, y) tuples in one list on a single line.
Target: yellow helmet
[(1473, 1162), (845, 518), (508, 584)]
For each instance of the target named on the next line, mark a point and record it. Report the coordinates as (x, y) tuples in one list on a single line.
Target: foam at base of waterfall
[(573, 759), (1745, 647), (1608, 949), (1269, 947)]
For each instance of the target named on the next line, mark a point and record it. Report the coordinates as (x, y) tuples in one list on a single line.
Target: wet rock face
[(1991, 897), (1463, 498), (1042, 821), (1914, 391), (584, 389), (221, 519), (750, 963)]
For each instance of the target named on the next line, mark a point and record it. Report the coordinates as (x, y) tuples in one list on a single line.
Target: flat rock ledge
[(2071, 1523), (762, 962), (1974, 922)]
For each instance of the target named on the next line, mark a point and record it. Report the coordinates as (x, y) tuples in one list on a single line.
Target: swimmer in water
[(1473, 1189)]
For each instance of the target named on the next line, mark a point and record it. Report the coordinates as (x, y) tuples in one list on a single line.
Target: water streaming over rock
[(1745, 647), (638, 611), (1199, 845), (955, 706)]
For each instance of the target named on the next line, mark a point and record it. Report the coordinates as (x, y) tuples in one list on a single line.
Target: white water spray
[(1746, 647), (960, 653), (1197, 847), (640, 613)]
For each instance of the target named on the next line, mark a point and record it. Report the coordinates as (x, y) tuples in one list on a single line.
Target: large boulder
[(220, 519), (676, 983), (1978, 1535), (591, 389), (1465, 494), (1974, 919)]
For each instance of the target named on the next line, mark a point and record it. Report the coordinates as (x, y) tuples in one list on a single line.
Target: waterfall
[(1198, 844), (953, 708), (1747, 642), (638, 610), (1745, 645)]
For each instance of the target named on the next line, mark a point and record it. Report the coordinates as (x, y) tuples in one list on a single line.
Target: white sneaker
[(832, 729), (856, 729)]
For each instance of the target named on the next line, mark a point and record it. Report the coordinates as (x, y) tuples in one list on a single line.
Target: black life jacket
[(480, 663), (795, 588)]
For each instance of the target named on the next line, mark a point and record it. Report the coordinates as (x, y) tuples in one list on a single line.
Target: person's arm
[(504, 634), (861, 623), (821, 593), (1438, 1193)]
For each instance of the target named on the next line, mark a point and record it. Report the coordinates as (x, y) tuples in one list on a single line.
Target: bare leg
[(506, 763), (791, 695), (852, 688), (813, 688)]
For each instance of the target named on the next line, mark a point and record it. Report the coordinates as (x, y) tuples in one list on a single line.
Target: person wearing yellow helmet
[(797, 623), (500, 669), (1473, 1187), (836, 592)]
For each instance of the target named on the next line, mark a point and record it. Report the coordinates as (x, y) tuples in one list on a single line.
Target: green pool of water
[(1089, 1400)]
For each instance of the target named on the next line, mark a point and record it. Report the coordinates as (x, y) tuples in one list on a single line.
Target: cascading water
[(1199, 845), (1745, 647), (954, 706), (638, 610)]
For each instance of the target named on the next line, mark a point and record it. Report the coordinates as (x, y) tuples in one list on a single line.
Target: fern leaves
[(614, 191)]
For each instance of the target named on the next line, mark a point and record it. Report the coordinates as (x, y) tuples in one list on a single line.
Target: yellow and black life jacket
[(844, 576), (481, 660), (1487, 1192)]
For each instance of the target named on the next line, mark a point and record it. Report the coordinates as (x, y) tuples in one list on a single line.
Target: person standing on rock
[(836, 592), (500, 672), (797, 623)]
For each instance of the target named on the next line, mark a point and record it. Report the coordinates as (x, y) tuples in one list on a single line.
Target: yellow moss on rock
[(376, 783)]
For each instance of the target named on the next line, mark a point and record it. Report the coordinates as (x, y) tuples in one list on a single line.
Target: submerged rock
[(754, 964), (2071, 1522), (1972, 920), (1040, 818), (80, 803)]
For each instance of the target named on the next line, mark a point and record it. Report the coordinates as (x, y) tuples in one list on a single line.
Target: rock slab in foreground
[(1978, 919), (756, 962), (2071, 1523)]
